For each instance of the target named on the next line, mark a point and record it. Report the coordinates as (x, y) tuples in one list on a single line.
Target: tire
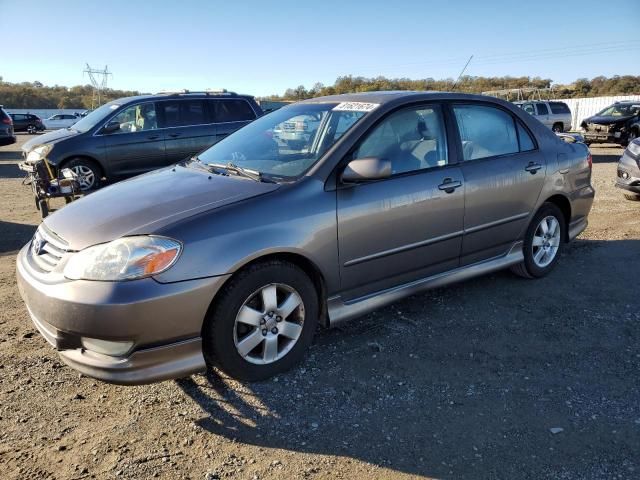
[(532, 267), (223, 334), (89, 173), (558, 128), (634, 197), (31, 129), (43, 206)]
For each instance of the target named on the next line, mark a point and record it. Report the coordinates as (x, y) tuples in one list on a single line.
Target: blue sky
[(264, 47)]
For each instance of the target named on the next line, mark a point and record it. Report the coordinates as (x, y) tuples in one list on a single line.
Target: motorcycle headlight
[(39, 153), (127, 258)]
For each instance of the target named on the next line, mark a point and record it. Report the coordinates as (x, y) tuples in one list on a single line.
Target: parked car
[(297, 131), (134, 135), (555, 115), (7, 136), (60, 120), (231, 259), (629, 171), (26, 122), (618, 123)]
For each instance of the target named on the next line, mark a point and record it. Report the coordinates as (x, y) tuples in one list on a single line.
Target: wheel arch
[(564, 205), (304, 263)]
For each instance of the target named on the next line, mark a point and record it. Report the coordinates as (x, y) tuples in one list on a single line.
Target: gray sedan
[(232, 258)]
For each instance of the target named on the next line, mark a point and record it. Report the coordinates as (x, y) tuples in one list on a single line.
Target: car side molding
[(340, 311)]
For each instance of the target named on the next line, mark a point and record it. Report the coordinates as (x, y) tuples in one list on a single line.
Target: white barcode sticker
[(355, 107)]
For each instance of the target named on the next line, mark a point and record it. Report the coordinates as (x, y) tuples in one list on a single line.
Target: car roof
[(176, 95), (393, 96)]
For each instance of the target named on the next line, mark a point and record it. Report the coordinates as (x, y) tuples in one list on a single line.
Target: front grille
[(47, 249), (598, 128)]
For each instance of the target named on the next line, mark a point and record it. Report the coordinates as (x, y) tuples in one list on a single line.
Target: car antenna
[(459, 76)]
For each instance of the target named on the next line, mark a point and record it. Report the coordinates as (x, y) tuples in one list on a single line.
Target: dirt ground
[(469, 381)]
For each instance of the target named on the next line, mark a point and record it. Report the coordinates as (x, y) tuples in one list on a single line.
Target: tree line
[(583, 87), (36, 95)]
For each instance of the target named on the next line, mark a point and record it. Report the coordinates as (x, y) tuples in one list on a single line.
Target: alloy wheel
[(546, 241), (268, 324), (85, 176)]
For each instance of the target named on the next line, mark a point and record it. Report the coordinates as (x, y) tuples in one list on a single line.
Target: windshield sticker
[(355, 107)]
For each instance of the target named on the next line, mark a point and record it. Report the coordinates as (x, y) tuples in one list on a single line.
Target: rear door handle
[(174, 135), (532, 168), (448, 185), (153, 137)]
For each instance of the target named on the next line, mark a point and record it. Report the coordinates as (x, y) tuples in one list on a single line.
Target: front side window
[(136, 118), (411, 139), (620, 110), (287, 142), (542, 109), (485, 131)]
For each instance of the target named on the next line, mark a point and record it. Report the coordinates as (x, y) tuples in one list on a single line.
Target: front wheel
[(262, 322), (87, 171), (543, 242)]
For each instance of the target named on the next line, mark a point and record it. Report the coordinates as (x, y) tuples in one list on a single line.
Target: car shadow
[(14, 236), (10, 170), (607, 153), (10, 155), (460, 382)]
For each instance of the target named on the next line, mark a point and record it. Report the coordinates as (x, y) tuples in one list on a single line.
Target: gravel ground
[(498, 377)]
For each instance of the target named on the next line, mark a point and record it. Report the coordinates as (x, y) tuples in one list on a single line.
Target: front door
[(410, 225), (138, 145), (504, 173)]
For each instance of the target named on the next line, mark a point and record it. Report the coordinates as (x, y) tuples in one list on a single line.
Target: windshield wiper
[(243, 172)]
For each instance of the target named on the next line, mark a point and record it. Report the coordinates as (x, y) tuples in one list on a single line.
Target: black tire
[(218, 332), (634, 197), (43, 206), (81, 164), (528, 268), (558, 127)]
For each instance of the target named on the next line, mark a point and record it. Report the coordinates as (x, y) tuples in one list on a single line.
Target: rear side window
[(526, 142), (542, 109), (559, 107), (182, 113), (485, 131), (528, 107), (231, 110)]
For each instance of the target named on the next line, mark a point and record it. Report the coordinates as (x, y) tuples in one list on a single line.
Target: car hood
[(607, 120), (144, 204), (50, 138)]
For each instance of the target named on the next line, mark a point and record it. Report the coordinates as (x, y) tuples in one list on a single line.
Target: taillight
[(7, 121), (590, 160)]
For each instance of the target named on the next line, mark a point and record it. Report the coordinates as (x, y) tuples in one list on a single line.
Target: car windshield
[(92, 119), (287, 142), (620, 110)]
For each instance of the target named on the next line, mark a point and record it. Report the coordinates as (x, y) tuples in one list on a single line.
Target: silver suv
[(232, 258), (555, 115)]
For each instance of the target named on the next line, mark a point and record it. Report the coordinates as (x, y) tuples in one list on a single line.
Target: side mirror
[(111, 127), (366, 169)]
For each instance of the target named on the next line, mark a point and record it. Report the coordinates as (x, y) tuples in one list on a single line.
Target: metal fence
[(582, 108)]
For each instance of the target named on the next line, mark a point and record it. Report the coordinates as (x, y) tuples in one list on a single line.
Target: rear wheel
[(88, 173), (31, 129), (262, 322), (558, 127), (543, 242)]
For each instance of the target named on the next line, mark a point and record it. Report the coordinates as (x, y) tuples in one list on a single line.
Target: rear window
[(231, 110), (3, 114), (559, 107)]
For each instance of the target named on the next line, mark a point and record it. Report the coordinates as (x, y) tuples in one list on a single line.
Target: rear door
[(408, 226), (504, 172), (138, 146), (230, 114), (187, 128), (542, 114)]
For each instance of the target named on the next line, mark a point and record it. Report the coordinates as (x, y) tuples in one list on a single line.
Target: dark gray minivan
[(134, 135)]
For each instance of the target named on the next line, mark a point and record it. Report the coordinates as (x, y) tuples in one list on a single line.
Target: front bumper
[(628, 173), (163, 320)]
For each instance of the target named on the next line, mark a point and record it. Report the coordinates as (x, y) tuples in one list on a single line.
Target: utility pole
[(99, 81), (460, 76)]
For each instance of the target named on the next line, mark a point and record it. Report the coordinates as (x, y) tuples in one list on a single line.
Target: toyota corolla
[(232, 258)]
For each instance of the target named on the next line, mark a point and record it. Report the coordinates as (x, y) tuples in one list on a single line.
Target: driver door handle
[(449, 185), (532, 168)]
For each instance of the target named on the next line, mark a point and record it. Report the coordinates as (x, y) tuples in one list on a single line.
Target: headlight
[(39, 153), (634, 148), (127, 258)]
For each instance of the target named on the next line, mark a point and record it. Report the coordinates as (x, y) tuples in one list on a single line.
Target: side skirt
[(340, 311)]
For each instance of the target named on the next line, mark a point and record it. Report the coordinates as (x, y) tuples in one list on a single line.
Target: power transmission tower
[(99, 81)]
